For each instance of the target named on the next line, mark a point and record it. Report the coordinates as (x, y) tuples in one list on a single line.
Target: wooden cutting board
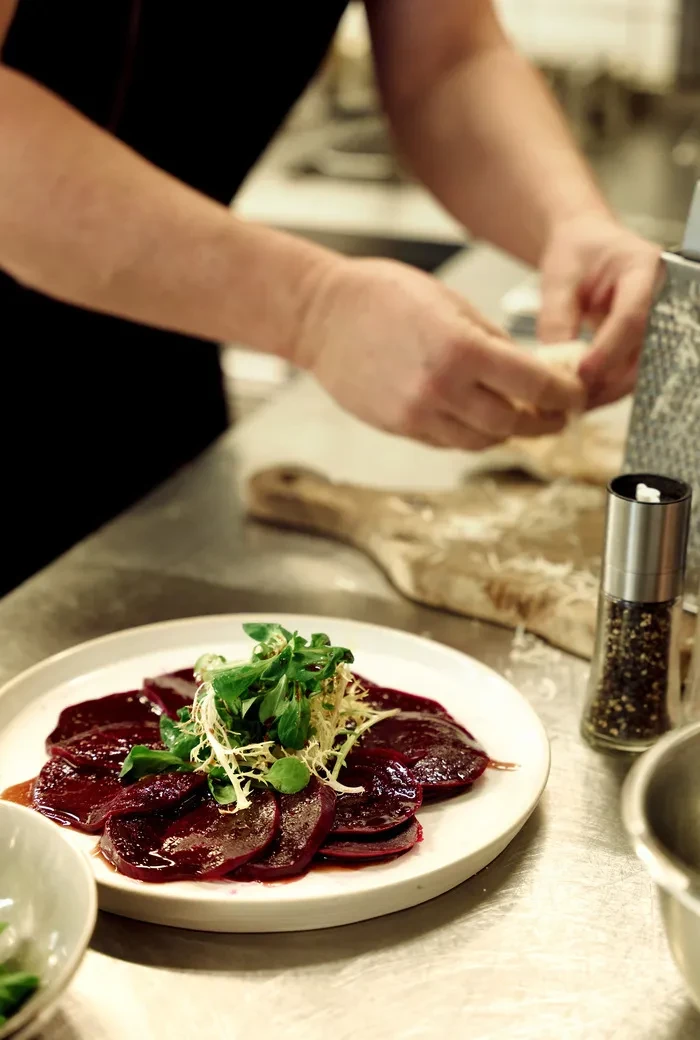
[(505, 549)]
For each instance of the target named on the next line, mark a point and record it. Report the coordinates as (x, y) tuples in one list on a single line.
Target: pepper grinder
[(634, 686)]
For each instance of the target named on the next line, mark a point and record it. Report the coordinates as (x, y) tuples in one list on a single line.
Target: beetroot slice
[(74, 797), (116, 707), (172, 691), (379, 846), (442, 755), (160, 793), (391, 795), (305, 820), (413, 734), (449, 765), (386, 699), (106, 747), (200, 843)]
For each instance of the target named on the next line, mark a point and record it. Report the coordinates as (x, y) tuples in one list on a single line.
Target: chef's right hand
[(410, 356)]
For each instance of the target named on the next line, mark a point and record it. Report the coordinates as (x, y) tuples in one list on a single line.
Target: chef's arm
[(85, 219), (477, 123)]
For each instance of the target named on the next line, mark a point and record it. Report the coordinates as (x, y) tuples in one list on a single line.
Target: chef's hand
[(595, 271), (408, 355)]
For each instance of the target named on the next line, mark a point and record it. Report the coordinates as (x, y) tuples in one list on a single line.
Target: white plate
[(461, 835)]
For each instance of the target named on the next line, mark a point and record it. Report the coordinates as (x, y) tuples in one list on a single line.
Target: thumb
[(559, 319)]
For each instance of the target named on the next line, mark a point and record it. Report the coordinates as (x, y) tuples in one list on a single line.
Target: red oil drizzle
[(507, 767), (20, 794)]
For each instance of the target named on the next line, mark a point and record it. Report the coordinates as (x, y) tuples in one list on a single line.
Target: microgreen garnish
[(291, 711), (15, 987)]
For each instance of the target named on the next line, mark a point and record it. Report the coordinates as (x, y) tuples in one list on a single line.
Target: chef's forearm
[(482, 130), (88, 221)]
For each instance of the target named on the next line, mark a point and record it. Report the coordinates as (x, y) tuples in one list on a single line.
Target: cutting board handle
[(302, 498)]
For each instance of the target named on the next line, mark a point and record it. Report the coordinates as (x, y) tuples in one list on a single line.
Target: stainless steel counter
[(559, 939)]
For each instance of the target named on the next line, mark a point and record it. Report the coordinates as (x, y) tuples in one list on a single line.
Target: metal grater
[(664, 434)]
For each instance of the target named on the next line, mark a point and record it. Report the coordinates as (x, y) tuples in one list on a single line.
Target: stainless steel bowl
[(661, 812)]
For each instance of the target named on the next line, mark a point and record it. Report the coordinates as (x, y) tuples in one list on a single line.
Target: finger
[(445, 431), (613, 389), (619, 337), (494, 416), (559, 319), (515, 374), (467, 310), (539, 424)]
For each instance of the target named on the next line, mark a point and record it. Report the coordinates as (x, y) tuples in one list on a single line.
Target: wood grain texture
[(506, 550)]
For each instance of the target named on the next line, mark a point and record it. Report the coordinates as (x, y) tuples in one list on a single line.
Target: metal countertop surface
[(559, 939)]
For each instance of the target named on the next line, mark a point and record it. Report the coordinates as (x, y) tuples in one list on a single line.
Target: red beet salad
[(255, 770)]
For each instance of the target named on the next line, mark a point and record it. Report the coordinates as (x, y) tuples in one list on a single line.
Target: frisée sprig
[(292, 710)]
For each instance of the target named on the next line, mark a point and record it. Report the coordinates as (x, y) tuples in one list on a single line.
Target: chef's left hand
[(597, 272)]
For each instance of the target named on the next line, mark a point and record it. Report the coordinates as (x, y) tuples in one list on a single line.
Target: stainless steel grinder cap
[(646, 542)]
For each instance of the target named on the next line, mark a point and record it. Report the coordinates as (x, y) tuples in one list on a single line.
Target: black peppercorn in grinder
[(634, 686)]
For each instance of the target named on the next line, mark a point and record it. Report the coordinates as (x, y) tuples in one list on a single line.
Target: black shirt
[(96, 410)]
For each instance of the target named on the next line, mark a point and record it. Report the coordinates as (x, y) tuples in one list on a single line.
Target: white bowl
[(48, 896)]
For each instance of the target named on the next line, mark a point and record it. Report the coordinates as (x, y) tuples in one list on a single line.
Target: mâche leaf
[(176, 740), (274, 701), (288, 775), (233, 683), (223, 791), (262, 633), (293, 694), (208, 663), (15, 988), (145, 761), (293, 725), (247, 704)]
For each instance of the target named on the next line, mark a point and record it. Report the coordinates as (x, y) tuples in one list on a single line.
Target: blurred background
[(627, 73)]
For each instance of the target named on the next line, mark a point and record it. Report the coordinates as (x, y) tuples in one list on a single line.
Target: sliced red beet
[(201, 843), (305, 820), (172, 691), (116, 707), (413, 734), (441, 753), (379, 846), (74, 797), (448, 766), (156, 794), (106, 747), (391, 795), (386, 699)]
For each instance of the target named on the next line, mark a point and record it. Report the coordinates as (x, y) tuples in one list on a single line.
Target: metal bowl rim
[(666, 869)]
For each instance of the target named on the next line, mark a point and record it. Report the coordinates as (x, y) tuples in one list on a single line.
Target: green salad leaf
[(222, 791), (178, 742), (294, 723), (15, 988), (292, 710), (288, 775), (262, 633), (145, 761)]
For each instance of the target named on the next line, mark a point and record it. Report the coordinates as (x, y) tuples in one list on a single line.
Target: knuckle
[(456, 352), (454, 367), (492, 419), (421, 396), (412, 419)]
